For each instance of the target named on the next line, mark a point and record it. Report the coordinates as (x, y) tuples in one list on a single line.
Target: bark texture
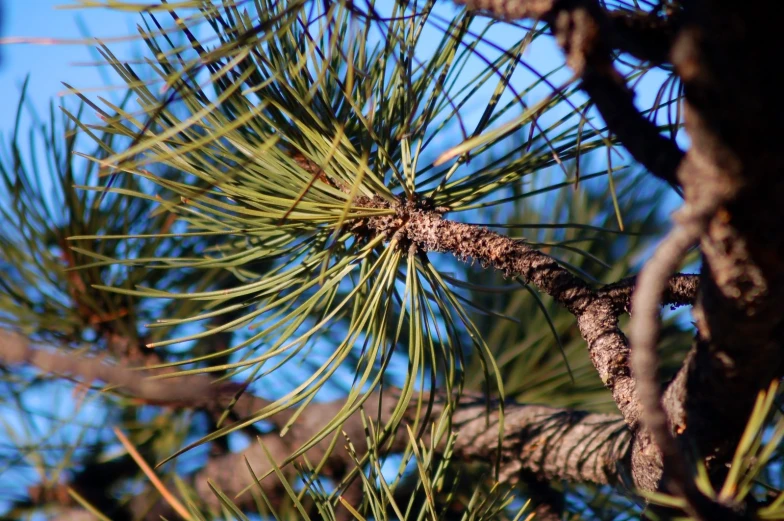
[(597, 311), (734, 119), (722, 53)]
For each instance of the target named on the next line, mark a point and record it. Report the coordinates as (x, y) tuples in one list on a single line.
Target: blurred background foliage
[(204, 225)]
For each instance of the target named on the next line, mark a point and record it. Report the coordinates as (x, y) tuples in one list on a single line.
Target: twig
[(644, 334), (157, 483)]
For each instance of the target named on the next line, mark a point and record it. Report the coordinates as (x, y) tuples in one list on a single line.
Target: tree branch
[(644, 333), (587, 33), (199, 391), (597, 311), (542, 439), (645, 36), (734, 119), (552, 442), (544, 442), (681, 290), (547, 442), (539, 440)]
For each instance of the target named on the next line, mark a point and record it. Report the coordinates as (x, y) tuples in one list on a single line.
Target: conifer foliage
[(365, 260)]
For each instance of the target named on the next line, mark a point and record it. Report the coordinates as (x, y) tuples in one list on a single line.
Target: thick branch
[(544, 441), (549, 442), (643, 35), (734, 119), (615, 102), (645, 361), (596, 311), (587, 34)]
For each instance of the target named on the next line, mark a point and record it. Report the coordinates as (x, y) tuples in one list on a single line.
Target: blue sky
[(49, 65)]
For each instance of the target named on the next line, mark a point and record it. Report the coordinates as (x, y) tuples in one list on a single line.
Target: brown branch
[(644, 334), (554, 443), (645, 36), (551, 443), (587, 34), (597, 311), (733, 191), (615, 102), (544, 441), (199, 391), (681, 290), (734, 120)]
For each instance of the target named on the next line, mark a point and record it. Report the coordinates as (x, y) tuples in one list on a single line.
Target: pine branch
[(549, 442), (644, 333), (597, 311), (681, 290), (543, 440), (199, 391), (552, 443)]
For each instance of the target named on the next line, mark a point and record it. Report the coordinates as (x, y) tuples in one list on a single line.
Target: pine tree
[(362, 260)]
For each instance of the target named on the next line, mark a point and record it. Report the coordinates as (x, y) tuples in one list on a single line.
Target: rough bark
[(734, 119), (549, 443), (646, 36), (545, 442), (722, 54), (597, 311), (681, 290), (677, 477), (734, 169)]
